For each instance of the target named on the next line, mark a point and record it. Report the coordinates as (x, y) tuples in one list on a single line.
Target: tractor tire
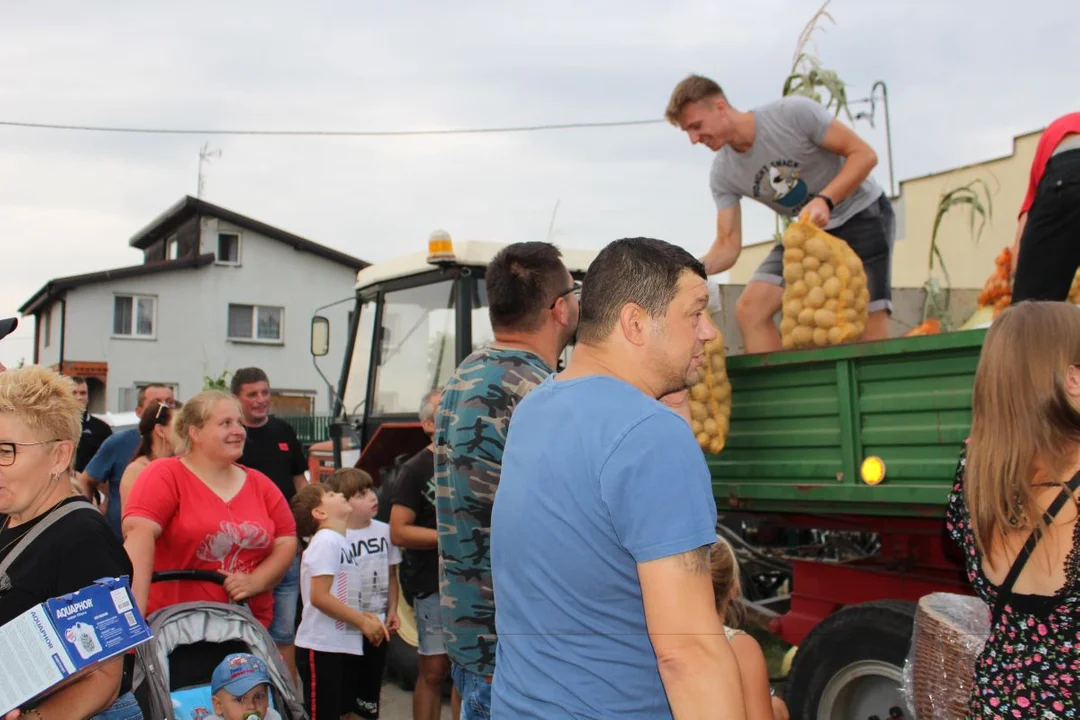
[(850, 666)]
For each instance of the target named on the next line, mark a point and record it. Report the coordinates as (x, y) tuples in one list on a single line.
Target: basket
[(949, 633)]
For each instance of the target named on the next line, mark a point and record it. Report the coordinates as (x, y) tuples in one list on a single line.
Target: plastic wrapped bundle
[(950, 631), (825, 293), (710, 399)]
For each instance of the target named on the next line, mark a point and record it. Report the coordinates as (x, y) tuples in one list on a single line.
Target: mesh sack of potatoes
[(825, 294), (710, 399)]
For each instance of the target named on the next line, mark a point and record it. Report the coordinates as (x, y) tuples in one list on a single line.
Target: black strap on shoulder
[(44, 524), (1033, 540)]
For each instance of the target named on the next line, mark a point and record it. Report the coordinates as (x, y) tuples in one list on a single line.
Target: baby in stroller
[(240, 689)]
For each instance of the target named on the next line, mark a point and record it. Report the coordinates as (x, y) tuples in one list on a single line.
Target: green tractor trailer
[(831, 487)]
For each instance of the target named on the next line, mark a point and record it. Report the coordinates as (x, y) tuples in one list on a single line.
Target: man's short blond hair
[(44, 400), (691, 89)]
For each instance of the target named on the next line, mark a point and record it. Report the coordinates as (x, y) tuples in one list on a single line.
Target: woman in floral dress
[(1013, 510)]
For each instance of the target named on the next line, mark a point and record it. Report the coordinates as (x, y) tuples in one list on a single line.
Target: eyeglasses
[(576, 289), (7, 450)]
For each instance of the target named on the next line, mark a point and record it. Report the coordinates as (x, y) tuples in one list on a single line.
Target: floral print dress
[(1030, 663)]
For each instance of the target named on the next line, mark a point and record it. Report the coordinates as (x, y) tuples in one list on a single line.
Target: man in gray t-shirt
[(795, 157)]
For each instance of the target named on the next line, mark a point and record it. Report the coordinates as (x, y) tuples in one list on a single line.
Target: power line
[(328, 133)]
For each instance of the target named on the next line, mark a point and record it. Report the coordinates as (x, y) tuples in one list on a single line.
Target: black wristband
[(827, 199)]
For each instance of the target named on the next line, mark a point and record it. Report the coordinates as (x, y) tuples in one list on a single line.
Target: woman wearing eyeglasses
[(40, 426), (155, 441)]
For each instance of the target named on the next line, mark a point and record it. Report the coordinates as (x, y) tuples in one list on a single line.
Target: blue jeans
[(283, 626), (125, 708), (475, 692)]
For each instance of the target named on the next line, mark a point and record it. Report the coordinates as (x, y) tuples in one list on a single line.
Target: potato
[(825, 296), (710, 426), (793, 272), (703, 439), (802, 335), (717, 363), (697, 427), (824, 318), (699, 393), (697, 410), (716, 445), (816, 246)]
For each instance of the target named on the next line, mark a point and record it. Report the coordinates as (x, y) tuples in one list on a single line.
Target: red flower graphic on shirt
[(224, 546)]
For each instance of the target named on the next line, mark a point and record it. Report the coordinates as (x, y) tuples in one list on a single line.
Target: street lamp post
[(888, 133)]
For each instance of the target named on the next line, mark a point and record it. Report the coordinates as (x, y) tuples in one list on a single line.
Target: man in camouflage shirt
[(533, 305)]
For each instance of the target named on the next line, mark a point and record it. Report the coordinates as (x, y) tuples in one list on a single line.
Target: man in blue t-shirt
[(533, 306), (115, 454), (602, 525)]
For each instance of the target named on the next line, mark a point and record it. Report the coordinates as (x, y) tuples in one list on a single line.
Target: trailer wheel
[(850, 667)]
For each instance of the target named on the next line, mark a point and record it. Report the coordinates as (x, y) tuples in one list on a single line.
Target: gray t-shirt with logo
[(786, 164)]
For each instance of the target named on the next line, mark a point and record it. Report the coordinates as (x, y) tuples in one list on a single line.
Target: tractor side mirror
[(320, 336)]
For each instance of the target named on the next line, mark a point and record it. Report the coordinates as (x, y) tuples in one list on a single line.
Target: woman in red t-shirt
[(202, 511)]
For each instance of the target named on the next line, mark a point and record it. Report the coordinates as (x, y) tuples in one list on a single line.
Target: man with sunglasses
[(533, 306), (106, 468)]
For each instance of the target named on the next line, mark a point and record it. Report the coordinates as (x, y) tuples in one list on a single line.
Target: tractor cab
[(415, 318)]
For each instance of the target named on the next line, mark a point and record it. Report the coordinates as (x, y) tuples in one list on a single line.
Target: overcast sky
[(964, 76)]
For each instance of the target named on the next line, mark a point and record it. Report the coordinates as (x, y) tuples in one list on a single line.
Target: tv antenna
[(551, 226), (204, 157)]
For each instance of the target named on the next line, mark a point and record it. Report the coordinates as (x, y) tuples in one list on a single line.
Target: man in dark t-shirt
[(273, 449), (94, 430), (413, 528)]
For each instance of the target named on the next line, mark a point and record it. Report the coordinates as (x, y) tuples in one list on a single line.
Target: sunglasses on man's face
[(576, 290)]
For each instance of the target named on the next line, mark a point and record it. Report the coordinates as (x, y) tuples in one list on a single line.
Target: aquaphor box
[(58, 641)]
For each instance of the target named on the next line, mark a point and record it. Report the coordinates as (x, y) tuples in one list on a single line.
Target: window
[(172, 248), (256, 323), (228, 248), (417, 346), (47, 326), (134, 316)]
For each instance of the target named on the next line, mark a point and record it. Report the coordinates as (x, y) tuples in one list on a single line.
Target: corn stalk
[(808, 78), (980, 211), (221, 382)]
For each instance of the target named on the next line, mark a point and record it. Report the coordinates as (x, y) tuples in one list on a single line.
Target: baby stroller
[(171, 679)]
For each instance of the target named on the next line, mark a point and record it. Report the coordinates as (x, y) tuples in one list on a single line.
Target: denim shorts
[(283, 626), (475, 692), (125, 708), (429, 628), (871, 233)]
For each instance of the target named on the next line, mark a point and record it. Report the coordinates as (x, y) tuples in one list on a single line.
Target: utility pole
[(204, 157), (888, 133)]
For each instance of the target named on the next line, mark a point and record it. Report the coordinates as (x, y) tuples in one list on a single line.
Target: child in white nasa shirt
[(375, 557), (330, 641)]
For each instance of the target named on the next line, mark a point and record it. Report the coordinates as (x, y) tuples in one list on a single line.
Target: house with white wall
[(216, 291)]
